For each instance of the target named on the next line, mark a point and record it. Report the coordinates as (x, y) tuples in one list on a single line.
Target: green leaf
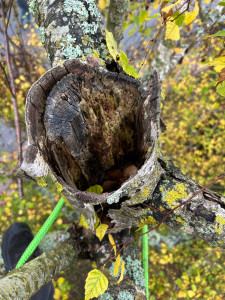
[(97, 189), (179, 21), (218, 33), (143, 16), (153, 17), (136, 19), (123, 58), (132, 31), (147, 32), (101, 231), (96, 284), (221, 88), (221, 3), (126, 67), (111, 44)]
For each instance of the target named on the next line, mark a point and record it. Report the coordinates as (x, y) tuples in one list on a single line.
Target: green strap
[(145, 257), (41, 233)]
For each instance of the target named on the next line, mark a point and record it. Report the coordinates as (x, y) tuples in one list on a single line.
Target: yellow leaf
[(103, 4), (111, 44), (95, 53), (181, 294), (59, 187), (178, 50), (97, 189), (22, 78), (17, 81), (172, 31), (218, 63), (96, 284), (59, 221), (117, 265), (97, 220), (101, 230), (168, 8), (122, 272), (191, 16), (41, 181), (60, 281), (207, 1), (112, 242), (191, 293), (83, 221)]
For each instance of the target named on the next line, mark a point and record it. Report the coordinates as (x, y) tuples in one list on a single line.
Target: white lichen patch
[(57, 32)]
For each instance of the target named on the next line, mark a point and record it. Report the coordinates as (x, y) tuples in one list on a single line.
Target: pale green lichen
[(105, 296), (135, 271), (172, 196), (42, 34), (125, 295), (83, 14), (76, 6), (221, 223), (33, 4), (69, 49)]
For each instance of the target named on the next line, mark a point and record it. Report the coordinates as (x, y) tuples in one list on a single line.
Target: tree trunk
[(89, 123)]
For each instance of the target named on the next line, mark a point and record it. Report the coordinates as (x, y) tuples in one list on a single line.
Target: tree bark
[(91, 124), (24, 282), (116, 16)]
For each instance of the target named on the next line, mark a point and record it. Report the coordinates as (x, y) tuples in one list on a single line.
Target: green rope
[(145, 257), (41, 233)]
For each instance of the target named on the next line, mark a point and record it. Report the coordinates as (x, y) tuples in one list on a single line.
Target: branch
[(24, 282), (116, 16), (14, 99), (69, 29)]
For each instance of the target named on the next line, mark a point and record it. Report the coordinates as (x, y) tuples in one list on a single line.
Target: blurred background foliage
[(181, 267)]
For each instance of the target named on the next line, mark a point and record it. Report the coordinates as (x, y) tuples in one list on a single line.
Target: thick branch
[(24, 282), (69, 29), (116, 16)]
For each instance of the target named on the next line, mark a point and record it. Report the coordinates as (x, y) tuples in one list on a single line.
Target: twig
[(166, 216), (14, 99), (159, 32)]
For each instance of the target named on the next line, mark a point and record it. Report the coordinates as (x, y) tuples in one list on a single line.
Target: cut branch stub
[(90, 126)]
